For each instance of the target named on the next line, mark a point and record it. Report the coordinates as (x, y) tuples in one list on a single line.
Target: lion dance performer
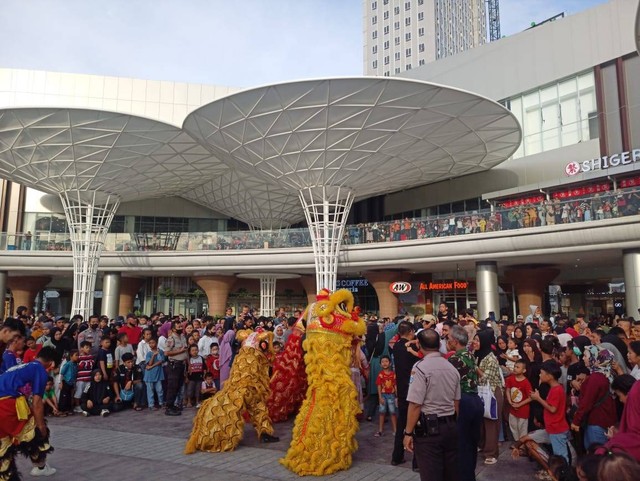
[(289, 379), (22, 427), (219, 423), (324, 432)]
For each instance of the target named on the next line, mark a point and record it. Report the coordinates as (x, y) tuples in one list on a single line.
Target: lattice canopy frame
[(89, 215), (267, 295), (326, 210)]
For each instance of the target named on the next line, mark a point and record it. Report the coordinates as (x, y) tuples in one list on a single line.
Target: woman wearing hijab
[(57, 342), (278, 334), (380, 348), (596, 407), (489, 371), (226, 354), (627, 438)]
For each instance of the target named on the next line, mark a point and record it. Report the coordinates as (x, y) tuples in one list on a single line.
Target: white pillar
[(487, 289), (3, 293), (326, 209), (267, 295), (631, 264), (111, 294), (89, 215)]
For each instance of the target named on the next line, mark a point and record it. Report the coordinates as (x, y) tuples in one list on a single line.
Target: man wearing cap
[(433, 397), (519, 318)]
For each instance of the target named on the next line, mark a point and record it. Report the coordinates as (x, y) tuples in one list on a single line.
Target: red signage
[(443, 285), (582, 191), (400, 287)]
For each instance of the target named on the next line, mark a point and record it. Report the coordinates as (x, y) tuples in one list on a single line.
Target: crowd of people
[(562, 391)]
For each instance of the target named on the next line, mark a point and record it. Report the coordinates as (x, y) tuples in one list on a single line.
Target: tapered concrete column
[(631, 264), (129, 287), (530, 283), (487, 289), (24, 290), (3, 292), (387, 300), (217, 289), (110, 294), (309, 286)]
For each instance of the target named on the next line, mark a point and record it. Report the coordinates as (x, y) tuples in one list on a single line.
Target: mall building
[(555, 225)]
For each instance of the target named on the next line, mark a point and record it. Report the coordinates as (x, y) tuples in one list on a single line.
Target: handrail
[(601, 206)]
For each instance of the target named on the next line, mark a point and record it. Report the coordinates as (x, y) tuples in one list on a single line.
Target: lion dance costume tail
[(289, 379), (219, 423), (324, 432)]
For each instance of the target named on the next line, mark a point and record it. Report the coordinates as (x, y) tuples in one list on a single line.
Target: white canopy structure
[(333, 141), (256, 156), (94, 160)]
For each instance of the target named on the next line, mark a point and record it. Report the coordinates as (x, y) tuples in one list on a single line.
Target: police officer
[(177, 355), (434, 394)]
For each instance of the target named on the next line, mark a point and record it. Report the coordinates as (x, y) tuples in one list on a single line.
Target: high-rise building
[(404, 34)]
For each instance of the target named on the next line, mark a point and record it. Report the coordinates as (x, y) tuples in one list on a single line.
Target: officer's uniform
[(176, 366), (435, 385)]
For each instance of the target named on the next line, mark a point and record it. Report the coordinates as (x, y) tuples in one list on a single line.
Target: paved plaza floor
[(139, 446)]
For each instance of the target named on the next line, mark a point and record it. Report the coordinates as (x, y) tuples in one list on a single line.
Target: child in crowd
[(555, 422), (518, 389), (11, 356), (49, 399), (69, 375), (86, 364), (195, 373), (129, 386), (97, 396), (208, 388), (153, 374), (387, 393), (512, 355), (213, 364), (104, 358), (31, 353), (122, 348)]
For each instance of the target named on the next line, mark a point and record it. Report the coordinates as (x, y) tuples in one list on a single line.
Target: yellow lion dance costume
[(219, 423), (324, 431)]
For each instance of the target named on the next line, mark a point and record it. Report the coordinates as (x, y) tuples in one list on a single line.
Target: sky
[(239, 43)]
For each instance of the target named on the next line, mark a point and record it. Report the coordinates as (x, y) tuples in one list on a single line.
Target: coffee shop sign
[(604, 162)]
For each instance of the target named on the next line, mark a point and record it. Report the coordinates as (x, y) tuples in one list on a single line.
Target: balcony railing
[(607, 205)]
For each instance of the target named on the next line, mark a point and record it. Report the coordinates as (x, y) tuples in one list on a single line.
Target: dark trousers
[(438, 455), (175, 380), (398, 448), (66, 397), (470, 418), (96, 409)]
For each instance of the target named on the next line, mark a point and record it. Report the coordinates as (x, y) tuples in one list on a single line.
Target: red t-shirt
[(31, 354), (133, 333), (556, 423), (518, 391), (213, 366), (386, 382)]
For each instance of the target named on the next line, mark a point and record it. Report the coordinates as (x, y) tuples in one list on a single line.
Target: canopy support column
[(89, 215)]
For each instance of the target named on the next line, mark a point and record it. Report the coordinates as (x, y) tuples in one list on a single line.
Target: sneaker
[(104, 413), (198, 406), (377, 434), (84, 413), (46, 471), (490, 461), (77, 409)]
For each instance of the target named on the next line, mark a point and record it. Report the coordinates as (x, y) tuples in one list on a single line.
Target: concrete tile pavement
[(145, 445)]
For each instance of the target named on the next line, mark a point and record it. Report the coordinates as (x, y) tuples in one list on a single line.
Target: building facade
[(399, 35)]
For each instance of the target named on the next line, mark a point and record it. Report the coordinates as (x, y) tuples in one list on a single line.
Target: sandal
[(377, 434)]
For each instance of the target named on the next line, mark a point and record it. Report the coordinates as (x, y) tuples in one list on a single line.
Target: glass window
[(397, 55), (420, 2), (397, 70), (397, 40), (374, 5), (407, 21), (408, 52), (421, 32), (386, 29), (396, 25), (386, 14), (386, 60), (420, 16), (421, 62), (386, 74), (407, 5), (375, 64), (408, 66), (421, 47), (407, 37), (396, 10), (386, 45), (374, 20), (374, 49), (374, 35)]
